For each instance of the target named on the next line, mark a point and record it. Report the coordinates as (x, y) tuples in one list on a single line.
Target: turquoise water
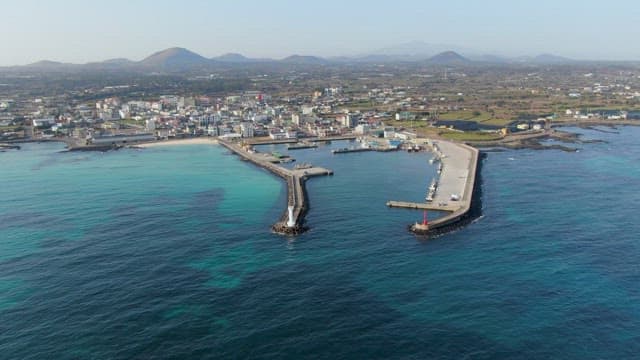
[(166, 253)]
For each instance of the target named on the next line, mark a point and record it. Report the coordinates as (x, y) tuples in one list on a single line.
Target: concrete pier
[(455, 187), (292, 221), (424, 206)]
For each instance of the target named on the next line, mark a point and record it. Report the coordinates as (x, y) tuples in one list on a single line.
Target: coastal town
[(451, 102), (447, 109)]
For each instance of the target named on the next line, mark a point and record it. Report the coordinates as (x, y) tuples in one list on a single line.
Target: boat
[(434, 185), (303, 166), (432, 190)]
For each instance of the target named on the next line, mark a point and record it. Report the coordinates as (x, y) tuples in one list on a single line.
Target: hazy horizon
[(80, 32)]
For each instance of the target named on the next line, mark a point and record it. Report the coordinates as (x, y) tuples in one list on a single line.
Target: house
[(43, 122), (278, 135)]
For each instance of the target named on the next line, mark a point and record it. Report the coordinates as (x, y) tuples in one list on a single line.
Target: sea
[(167, 253)]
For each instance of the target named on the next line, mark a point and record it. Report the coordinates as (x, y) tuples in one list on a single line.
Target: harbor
[(451, 191)]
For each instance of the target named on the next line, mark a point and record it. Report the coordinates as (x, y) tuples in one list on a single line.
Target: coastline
[(192, 141)]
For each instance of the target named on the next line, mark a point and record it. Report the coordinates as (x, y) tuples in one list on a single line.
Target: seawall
[(464, 216), (296, 191), (466, 210)]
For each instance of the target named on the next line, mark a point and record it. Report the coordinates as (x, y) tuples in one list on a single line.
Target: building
[(247, 130), (405, 116), (278, 135), (212, 130), (352, 120), (295, 118), (389, 132), (43, 122), (307, 110), (150, 124), (362, 129), (406, 135), (231, 136)]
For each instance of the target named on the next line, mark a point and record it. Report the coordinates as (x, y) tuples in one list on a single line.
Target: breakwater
[(455, 221), (453, 192), (470, 203), (292, 220)]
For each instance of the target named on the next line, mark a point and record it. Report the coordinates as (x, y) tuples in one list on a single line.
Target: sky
[(83, 31)]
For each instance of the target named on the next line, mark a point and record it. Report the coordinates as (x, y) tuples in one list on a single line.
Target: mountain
[(551, 59), (232, 57), (419, 49), (491, 59), (174, 59), (449, 58), (543, 59), (182, 60), (380, 58), (304, 60), (48, 64), (118, 61)]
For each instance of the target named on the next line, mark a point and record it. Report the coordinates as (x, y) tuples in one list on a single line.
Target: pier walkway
[(296, 193), (455, 185), (424, 206)]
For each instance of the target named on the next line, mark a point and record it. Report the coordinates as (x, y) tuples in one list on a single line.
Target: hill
[(448, 58), (232, 57), (175, 59), (304, 60), (551, 59)]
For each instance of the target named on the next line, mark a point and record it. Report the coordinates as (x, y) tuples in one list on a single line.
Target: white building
[(295, 118), (231, 136), (362, 129), (43, 122), (278, 135), (307, 110)]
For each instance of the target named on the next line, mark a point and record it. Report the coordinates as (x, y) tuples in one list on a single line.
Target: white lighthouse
[(290, 222)]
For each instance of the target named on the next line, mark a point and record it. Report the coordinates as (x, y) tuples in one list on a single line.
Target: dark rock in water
[(282, 229), (101, 148), (4, 147)]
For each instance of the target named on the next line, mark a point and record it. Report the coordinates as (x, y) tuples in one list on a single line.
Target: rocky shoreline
[(535, 141)]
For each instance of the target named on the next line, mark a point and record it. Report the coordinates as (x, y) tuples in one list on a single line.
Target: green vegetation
[(497, 122), (470, 135), (133, 122), (416, 124), (484, 117), (11, 128), (468, 115)]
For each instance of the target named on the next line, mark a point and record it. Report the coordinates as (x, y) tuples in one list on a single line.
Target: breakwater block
[(283, 229), (475, 210)]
